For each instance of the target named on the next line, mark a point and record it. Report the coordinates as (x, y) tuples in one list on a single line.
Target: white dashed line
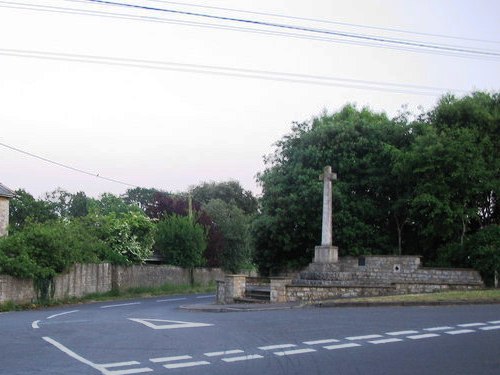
[(489, 328), (127, 372), (424, 336), (169, 359), (317, 342), (63, 313), (384, 341), (272, 347), (34, 325), (120, 305), (211, 296), (242, 358), (494, 322), (471, 325), (341, 346), (400, 333), (227, 352), (367, 337), (119, 364), (296, 351), (186, 364), (460, 331), (171, 299), (443, 328)]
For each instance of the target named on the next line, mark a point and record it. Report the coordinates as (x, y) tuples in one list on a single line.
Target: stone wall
[(377, 275), (4, 216), (16, 290), (125, 277), (83, 279)]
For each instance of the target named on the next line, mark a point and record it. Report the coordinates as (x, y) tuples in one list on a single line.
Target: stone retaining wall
[(83, 279)]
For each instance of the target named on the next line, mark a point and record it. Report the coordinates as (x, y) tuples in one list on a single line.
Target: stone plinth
[(234, 287), (326, 254), (278, 289)]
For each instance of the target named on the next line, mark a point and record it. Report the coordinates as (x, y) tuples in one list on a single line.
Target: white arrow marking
[(171, 324)]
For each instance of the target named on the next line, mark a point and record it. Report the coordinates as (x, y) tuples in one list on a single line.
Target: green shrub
[(481, 251), (181, 241)]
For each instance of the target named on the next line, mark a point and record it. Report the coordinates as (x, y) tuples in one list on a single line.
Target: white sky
[(171, 129)]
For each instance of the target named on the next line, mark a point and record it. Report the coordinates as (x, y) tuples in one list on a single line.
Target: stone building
[(5, 195)]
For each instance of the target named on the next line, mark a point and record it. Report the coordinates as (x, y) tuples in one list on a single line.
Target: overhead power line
[(233, 72), (391, 29), (364, 37), (96, 175), (296, 35)]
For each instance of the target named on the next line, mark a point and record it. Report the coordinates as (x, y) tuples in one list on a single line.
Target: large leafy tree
[(234, 225), (355, 143), (230, 192), (24, 208)]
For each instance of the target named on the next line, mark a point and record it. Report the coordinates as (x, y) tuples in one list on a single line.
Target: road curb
[(241, 307), (406, 303)]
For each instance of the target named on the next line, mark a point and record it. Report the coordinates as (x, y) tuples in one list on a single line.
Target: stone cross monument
[(326, 252)]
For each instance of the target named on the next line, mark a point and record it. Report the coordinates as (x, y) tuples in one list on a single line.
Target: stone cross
[(326, 233)]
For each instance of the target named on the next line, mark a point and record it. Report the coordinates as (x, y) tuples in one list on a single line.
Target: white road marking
[(272, 347), (129, 371), (424, 336), (186, 364), (227, 352), (384, 341), (341, 346), (120, 305), (104, 368), (210, 296), (172, 324), (443, 328), (489, 328), (101, 368), (317, 342), (296, 351), (63, 313), (495, 322), (171, 299), (34, 325), (242, 358), (367, 337), (169, 359), (119, 364), (400, 333), (460, 331), (471, 325)]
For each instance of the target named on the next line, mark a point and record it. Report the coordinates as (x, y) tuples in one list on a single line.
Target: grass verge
[(484, 295), (167, 289)]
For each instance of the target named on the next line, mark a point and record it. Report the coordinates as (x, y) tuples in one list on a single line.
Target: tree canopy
[(404, 186)]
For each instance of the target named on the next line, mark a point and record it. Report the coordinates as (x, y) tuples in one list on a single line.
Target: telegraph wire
[(307, 29), (232, 72), (321, 21), (96, 175), (79, 11)]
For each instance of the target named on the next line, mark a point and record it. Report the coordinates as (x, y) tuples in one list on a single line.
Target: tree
[(111, 204), (140, 197), (25, 208), (79, 205), (181, 241), (60, 200), (354, 142), (234, 226), (230, 192)]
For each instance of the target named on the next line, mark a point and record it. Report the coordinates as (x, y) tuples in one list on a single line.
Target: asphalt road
[(154, 336)]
